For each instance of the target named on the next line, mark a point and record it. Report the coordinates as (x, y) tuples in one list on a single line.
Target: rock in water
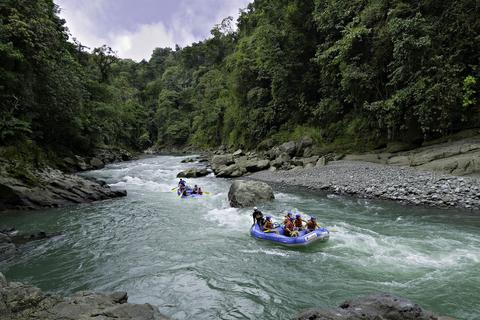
[(379, 306), (193, 173), (248, 193), (20, 301), (52, 188), (7, 248)]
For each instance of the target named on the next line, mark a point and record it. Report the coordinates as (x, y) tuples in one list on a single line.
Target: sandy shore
[(370, 180)]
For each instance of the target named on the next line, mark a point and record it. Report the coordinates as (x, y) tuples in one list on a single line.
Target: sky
[(133, 28)]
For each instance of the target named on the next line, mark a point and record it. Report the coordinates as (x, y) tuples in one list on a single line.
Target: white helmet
[(255, 208)]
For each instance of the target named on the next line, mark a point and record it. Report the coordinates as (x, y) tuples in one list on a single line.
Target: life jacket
[(288, 228), (286, 219), (298, 223), (268, 225), (312, 225)]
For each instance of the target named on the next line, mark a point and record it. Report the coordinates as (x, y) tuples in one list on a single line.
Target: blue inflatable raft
[(303, 239), (189, 193)]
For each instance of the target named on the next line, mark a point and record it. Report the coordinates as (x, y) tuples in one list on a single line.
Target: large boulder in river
[(248, 193), (374, 307), (21, 301), (193, 173)]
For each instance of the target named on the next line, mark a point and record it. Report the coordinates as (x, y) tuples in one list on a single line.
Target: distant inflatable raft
[(303, 239)]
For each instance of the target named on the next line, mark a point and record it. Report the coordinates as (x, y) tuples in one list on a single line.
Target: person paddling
[(298, 222), (287, 217), (181, 183), (289, 228), (195, 189), (268, 225), (312, 224)]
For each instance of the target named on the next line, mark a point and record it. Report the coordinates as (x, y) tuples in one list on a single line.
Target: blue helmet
[(313, 218), (289, 213), (298, 215), (268, 218)]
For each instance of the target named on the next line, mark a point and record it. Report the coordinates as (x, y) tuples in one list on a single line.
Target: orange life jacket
[(268, 225), (298, 222), (312, 225)]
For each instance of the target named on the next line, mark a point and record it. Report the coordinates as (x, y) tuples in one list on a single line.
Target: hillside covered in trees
[(353, 74)]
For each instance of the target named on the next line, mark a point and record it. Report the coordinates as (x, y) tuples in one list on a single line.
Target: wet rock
[(51, 188), (219, 161), (231, 171), (248, 193), (310, 160), (257, 165), (20, 301), (97, 163), (238, 153), (7, 248), (193, 173), (374, 307), (321, 162), (289, 148), (188, 160), (280, 161), (305, 142)]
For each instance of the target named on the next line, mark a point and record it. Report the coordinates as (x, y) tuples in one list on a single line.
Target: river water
[(194, 258)]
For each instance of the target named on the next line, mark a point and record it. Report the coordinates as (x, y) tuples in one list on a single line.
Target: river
[(194, 258)]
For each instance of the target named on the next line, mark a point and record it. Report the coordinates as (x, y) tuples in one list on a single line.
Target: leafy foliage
[(348, 73)]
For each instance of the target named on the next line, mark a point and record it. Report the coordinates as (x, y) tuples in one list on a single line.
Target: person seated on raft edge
[(200, 192), (181, 183), (298, 222), (268, 226), (258, 217), (181, 189), (195, 189), (312, 224), (287, 217), (289, 228)]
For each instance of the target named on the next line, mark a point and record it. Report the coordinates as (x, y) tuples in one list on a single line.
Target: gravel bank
[(370, 180)]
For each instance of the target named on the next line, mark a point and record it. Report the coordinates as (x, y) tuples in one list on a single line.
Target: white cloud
[(139, 44), (187, 23)]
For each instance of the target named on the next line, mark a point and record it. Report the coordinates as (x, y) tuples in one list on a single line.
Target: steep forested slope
[(351, 74)]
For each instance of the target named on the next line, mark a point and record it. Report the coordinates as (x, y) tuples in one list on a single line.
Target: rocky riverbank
[(26, 185), (20, 301), (379, 306), (371, 180)]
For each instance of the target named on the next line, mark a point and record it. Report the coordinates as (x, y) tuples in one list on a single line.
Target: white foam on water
[(231, 218), (394, 252), (136, 182), (287, 197), (271, 252)]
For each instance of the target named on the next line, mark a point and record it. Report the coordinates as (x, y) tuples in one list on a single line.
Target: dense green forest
[(352, 74)]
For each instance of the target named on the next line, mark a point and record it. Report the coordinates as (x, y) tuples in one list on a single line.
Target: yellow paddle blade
[(206, 192)]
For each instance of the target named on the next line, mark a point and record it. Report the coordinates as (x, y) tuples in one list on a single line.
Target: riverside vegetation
[(351, 76)]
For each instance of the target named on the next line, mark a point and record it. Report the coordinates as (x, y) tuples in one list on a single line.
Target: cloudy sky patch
[(134, 28)]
